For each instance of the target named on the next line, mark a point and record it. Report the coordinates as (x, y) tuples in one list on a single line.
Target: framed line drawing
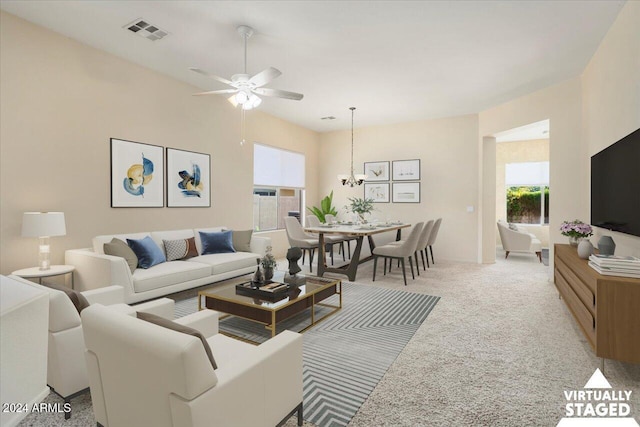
[(376, 171), (137, 175), (406, 170), (406, 192), (188, 179), (379, 192)]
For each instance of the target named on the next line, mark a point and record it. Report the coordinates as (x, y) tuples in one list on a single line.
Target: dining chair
[(421, 246), (399, 251), (329, 240), (432, 240), (297, 237), (330, 219)]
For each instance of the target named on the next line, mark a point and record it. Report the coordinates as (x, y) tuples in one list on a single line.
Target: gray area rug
[(346, 355)]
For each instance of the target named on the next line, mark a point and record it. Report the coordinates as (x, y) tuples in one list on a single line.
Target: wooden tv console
[(607, 308)]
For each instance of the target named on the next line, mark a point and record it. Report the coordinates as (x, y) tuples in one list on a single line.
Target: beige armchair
[(66, 369), (142, 374), (518, 241)]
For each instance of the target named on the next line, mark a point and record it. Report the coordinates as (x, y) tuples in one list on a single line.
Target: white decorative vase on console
[(585, 248)]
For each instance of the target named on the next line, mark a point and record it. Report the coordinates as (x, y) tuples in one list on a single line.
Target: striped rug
[(346, 355)]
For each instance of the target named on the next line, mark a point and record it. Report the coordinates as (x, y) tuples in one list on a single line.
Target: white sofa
[(94, 269), (142, 374), (66, 369)]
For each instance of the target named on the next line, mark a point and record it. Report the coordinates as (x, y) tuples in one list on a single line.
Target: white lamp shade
[(40, 224)]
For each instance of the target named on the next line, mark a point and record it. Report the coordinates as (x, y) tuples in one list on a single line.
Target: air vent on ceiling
[(328, 118), (144, 29)]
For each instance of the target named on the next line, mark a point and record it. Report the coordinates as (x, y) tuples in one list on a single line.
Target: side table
[(36, 273)]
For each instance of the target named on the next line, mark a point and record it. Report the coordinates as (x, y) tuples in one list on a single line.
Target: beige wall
[(449, 171), (561, 104), (611, 99), (62, 101)]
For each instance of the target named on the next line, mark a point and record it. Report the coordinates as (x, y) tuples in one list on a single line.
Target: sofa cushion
[(166, 323), (148, 253), (117, 247), (167, 274), (159, 236), (223, 263), (99, 241), (197, 231), (241, 240), (216, 243), (180, 249)]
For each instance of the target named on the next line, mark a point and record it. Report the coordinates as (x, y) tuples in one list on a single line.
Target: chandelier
[(352, 180)]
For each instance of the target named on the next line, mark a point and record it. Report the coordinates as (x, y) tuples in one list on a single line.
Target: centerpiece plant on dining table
[(360, 207)]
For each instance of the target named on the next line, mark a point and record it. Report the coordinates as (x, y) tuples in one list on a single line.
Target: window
[(278, 186), (527, 192)]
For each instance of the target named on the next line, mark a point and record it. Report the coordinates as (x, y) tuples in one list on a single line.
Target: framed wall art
[(188, 179), (379, 192), (406, 192), (376, 171), (406, 170), (137, 175)]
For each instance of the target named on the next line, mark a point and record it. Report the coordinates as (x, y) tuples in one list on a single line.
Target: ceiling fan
[(245, 87)]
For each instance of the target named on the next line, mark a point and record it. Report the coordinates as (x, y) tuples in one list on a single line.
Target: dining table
[(357, 231)]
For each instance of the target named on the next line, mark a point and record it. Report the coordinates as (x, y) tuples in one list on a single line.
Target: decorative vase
[(574, 241), (606, 245), (268, 273), (258, 277), (361, 217), (585, 249)]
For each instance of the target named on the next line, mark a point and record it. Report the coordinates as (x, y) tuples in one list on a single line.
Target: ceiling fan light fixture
[(242, 97)]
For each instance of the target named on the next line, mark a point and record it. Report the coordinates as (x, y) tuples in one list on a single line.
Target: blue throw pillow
[(148, 253), (217, 243)]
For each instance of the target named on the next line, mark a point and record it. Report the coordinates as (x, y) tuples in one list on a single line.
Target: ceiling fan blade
[(216, 92), (264, 76), (278, 93), (212, 76)]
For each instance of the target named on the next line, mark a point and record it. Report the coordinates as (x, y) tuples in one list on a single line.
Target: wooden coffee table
[(223, 298)]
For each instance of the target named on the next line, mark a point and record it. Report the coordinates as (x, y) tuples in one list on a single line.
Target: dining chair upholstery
[(298, 238), (330, 219), (329, 240), (432, 239), (423, 241), (399, 251)]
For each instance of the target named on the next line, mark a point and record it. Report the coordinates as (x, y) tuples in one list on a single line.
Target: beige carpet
[(499, 349)]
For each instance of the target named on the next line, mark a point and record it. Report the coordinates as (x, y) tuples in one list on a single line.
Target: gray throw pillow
[(242, 240), (513, 227), (166, 323), (79, 301), (119, 248)]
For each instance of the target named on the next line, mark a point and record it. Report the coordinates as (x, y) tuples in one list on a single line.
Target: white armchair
[(142, 374), (518, 241), (66, 369)]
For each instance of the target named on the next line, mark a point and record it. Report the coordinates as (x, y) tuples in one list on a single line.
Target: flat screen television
[(615, 186)]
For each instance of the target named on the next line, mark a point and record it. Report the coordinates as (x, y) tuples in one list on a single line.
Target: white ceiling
[(395, 61), (538, 130)]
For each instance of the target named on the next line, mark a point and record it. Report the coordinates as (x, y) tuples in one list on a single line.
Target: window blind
[(529, 173), (278, 168)]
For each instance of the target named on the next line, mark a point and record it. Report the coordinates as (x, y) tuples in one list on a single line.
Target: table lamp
[(43, 225)]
